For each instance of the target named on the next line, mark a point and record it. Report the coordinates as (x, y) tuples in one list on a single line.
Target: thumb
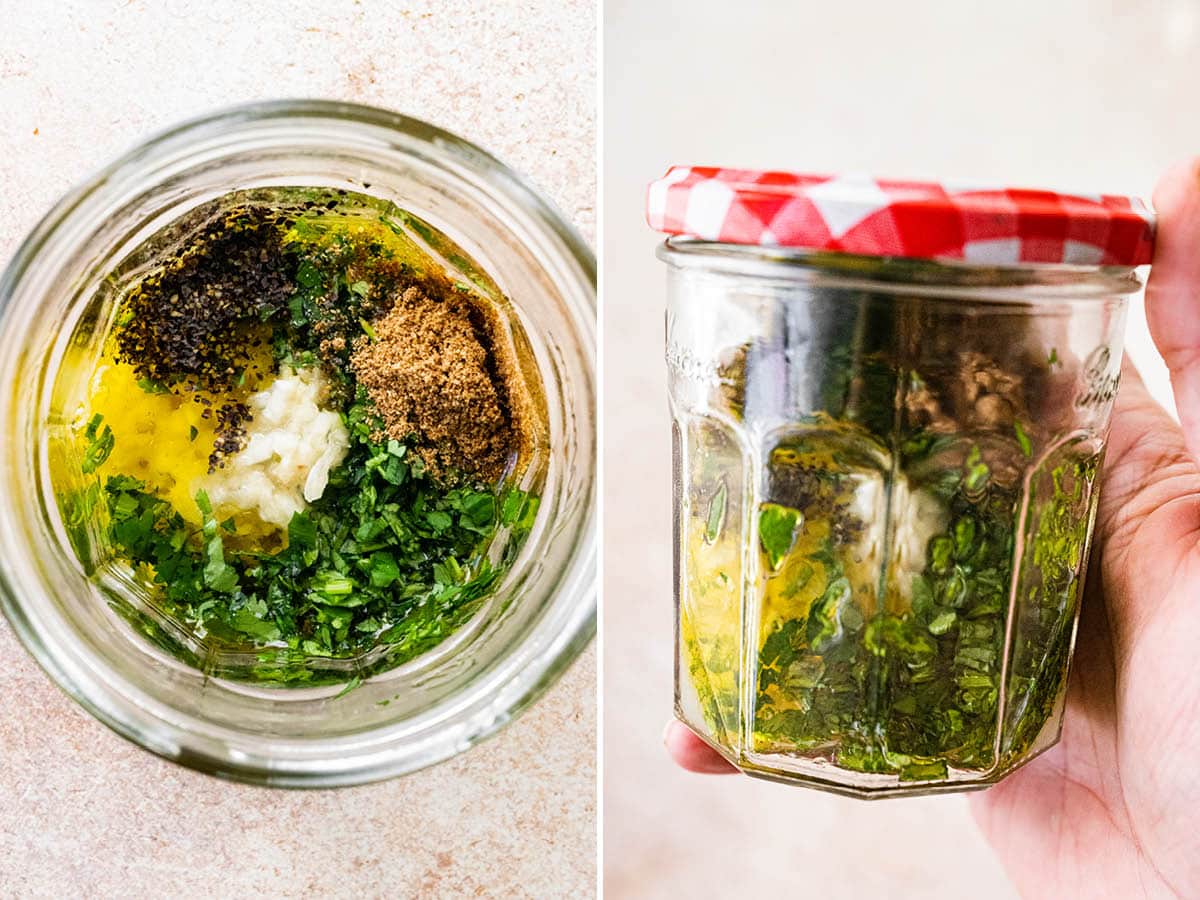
[(1173, 292)]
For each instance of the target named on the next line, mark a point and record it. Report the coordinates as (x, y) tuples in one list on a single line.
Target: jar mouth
[(548, 612), (906, 274)]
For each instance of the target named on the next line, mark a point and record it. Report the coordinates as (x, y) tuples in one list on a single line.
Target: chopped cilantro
[(389, 557), (382, 558), (716, 513), (518, 509), (907, 689), (308, 275), (153, 387), (977, 473), (1023, 439), (99, 447), (777, 527)]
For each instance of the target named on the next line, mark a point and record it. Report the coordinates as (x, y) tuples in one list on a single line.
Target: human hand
[(1113, 810)]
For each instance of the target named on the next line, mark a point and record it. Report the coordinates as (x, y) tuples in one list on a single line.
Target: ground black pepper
[(197, 325), (190, 325), (231, 433)]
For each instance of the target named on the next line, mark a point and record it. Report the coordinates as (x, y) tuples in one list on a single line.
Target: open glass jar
[(887, 441), (75, 618)]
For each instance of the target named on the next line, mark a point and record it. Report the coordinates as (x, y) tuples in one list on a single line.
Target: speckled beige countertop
[(82, 812)]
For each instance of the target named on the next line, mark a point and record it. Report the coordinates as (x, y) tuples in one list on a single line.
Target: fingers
[(1148, 521), (1143, 441), (1147, 469), (1173, 292), (692, 753)]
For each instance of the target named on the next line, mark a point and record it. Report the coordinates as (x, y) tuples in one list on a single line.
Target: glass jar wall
[(885, 480), (540, 614)]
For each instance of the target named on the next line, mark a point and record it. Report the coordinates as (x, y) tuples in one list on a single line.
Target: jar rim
[(901, 274), (562, 631)]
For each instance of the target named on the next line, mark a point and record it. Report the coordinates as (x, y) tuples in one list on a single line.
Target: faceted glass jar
[(886, 477)]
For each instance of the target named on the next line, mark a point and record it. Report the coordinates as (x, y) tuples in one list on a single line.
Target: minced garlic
[(291, 444)]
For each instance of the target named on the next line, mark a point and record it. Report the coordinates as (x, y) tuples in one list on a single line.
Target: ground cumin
[(434, 371)]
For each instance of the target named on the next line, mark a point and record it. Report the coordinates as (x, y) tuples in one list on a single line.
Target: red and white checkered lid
[(882, 217)]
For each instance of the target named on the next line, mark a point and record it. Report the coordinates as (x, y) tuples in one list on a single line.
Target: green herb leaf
[(964, 537), (777, 529), (302, 532), (478, 510), (943, 621), (99, 447), (330, 583), (716, 514), (308, 275), (438, 520), (250, 619), (383, 569), (152, 387), (218, 575), (941, 554), (977, 471), (518, 509), (1023, 439)]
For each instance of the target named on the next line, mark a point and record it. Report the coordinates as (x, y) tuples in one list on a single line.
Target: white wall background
[(1072, 94)]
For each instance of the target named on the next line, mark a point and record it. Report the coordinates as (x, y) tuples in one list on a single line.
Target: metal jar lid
[(884, 217)]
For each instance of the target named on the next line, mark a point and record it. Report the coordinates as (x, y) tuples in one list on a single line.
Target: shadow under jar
[(885, 467), (183, 693)]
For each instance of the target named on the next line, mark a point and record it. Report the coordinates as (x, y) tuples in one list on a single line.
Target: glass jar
[(541, 614), (886, 477)]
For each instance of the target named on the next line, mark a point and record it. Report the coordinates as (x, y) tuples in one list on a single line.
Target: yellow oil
[(163, 438), (711, 544), (153, 435)]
